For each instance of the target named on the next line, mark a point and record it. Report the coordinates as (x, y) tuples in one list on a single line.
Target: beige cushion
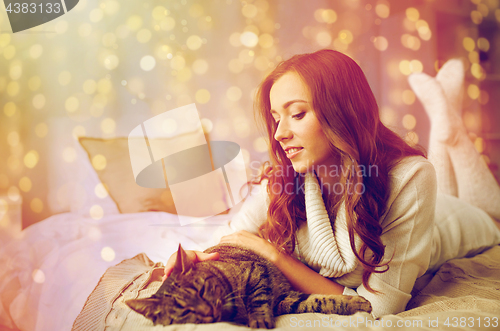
[(118, 178)]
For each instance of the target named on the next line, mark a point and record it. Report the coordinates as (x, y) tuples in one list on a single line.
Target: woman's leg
[(445, 174), (460, 169), (476, 184), (434, 94)]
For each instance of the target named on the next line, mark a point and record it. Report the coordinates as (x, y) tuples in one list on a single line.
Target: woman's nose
[(282, 132)]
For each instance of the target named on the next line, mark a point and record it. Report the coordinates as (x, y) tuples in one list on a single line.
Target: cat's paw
[(261, 322), (333, 304), (358, 303)]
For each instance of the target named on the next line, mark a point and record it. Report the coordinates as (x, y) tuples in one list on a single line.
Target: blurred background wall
[(108, 65)]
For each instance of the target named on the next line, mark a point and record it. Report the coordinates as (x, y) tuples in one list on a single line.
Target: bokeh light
[(31, 159), (476, 17), (260, 145), (382, 10), (147, 63), (13, 138), (328, 16), (38, 276), (34, 83), (94, 234), (477, 71), (234, 93), (423, 30), (72, 104), (69, 155), (410, 42), (249, 39), (479, 144), (388, 116), (323, 38), (484, 97), (64, 78), (13, 193), (108, 125), (202, 96), (483, 44), (39, 101), (380, 43), (409, 122), (177, 62), (207, 125), (25, 184), (408, 98), (249, 10), (266, 40), (36, 205), (99, 162), (108, 254), (412, 14), (469, 44), (9, 109), (194, 42), (100, 191), (473, 91), (78, 131), (96, 212), (143, 36)]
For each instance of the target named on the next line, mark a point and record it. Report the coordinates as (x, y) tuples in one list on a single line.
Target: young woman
[(345, 205)]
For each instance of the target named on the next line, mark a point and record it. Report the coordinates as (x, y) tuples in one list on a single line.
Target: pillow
[(115, 173), (111, 163), (83, 194)]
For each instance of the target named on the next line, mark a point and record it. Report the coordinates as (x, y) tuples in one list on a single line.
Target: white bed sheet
[(67, 249)]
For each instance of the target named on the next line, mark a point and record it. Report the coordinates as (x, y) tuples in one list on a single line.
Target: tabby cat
[(240, 287)]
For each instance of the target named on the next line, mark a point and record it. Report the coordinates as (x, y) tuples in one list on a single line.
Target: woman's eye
[(299, 116)]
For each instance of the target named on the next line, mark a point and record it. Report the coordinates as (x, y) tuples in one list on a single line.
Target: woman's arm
[(304, 279), (301, 277), (408, 229)]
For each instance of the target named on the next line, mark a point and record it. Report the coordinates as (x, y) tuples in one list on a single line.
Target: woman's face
[(299, 132)]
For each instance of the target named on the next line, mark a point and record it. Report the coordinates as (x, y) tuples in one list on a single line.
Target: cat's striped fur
[(240, 287)]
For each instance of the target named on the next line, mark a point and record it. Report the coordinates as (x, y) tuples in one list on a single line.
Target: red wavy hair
[(349, 116)]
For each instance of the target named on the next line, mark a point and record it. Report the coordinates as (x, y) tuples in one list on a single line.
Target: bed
[(75, 269)]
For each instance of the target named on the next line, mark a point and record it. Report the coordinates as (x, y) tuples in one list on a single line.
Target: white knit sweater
[(414, 242), (326, 249)]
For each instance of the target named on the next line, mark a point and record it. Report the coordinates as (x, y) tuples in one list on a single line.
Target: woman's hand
[(299, 275), (252, 242), (194, 256)]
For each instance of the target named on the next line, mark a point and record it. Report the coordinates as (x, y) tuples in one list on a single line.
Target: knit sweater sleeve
[(250, 217), (407, 235)]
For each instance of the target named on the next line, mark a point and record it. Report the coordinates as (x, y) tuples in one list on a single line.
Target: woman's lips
[(291, 155)]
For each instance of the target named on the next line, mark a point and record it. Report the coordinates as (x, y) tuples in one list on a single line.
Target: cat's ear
[(149, 307), (182, 262)]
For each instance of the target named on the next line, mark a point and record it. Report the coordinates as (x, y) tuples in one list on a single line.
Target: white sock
[(451, 79), (441, 98)]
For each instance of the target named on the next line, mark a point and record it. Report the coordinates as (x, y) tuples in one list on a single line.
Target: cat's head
[(188, 295)]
